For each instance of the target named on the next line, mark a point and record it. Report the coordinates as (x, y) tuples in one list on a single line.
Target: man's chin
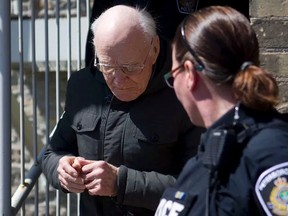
[(126, 97)]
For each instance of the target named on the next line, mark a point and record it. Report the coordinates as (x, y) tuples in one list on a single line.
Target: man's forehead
[(133, 39), (122, 52)]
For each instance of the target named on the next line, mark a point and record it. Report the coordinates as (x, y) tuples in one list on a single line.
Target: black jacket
[(242, 180), (150, 138)]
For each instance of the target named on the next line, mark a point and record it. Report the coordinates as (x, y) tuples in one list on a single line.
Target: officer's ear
[(191, 75), (155, 49)]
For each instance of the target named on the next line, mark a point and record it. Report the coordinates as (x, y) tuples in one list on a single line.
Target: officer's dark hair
[(223, 40)]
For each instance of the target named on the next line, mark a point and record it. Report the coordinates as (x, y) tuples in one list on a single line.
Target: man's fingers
[(76, 186), (92, 184), (71, 189), (65, 165), (76, 165)]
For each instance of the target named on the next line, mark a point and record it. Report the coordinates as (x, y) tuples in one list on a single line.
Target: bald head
[(122, 23)]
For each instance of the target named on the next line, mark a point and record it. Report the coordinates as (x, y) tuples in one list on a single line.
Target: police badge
[(187, 6), (272, 190)]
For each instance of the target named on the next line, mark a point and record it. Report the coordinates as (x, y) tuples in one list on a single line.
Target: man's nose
[(119, 75)]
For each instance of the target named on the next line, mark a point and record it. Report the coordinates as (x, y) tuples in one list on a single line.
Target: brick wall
[(270, 21)]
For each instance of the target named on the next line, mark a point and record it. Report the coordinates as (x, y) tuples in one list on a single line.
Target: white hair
[(145, 20)]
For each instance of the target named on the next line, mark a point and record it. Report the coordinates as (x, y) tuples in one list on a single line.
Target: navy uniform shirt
[(249, 178)]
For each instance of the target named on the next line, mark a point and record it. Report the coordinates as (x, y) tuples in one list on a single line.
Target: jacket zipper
[(105, 113)]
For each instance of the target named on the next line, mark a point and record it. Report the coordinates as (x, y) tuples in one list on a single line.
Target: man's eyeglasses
[(169, 79), (128, 69)]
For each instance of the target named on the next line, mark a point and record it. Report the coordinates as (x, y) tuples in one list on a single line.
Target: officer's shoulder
[(271, 133), (270, 189)]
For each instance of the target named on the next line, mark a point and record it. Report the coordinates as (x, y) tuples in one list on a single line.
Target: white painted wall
[(40, 40)]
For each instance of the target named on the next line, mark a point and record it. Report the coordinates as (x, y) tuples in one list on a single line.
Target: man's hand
[(100, 177), (69, 174)]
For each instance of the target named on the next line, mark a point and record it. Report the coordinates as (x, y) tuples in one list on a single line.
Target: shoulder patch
[(187, 6), (272, 190)]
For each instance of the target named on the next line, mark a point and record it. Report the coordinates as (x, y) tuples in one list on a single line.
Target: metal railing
[(5, 111), (40, 46)]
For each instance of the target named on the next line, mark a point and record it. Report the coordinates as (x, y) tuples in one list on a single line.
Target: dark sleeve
[(144, 189), (62, 142)]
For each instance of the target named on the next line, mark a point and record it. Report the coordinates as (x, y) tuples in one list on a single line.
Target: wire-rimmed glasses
[(128, 69)]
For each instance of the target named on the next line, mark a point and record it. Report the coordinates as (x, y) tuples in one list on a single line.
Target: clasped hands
[(77, 174)]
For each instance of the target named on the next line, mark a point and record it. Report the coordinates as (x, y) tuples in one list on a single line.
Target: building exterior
[(270, 21)]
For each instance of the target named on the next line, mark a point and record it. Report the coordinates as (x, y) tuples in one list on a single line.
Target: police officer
[(242, 163)]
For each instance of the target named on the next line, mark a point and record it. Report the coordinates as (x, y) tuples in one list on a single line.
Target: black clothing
[(150, 139), (167, 13), (236, 184)]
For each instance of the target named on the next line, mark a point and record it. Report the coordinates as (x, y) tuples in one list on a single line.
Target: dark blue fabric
[(232, 185)]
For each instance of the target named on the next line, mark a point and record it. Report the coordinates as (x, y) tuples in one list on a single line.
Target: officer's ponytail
[(255, 88)]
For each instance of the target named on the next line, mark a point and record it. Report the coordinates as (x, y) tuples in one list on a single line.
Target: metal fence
[(41, 44)]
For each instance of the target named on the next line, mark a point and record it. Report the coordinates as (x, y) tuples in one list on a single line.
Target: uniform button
[(155, 138), (79, 126)]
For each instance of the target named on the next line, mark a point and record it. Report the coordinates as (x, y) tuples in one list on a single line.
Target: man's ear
[(191, 75), (155, 49)]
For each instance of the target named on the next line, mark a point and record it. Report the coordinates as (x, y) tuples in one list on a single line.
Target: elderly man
[(124, 137)]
